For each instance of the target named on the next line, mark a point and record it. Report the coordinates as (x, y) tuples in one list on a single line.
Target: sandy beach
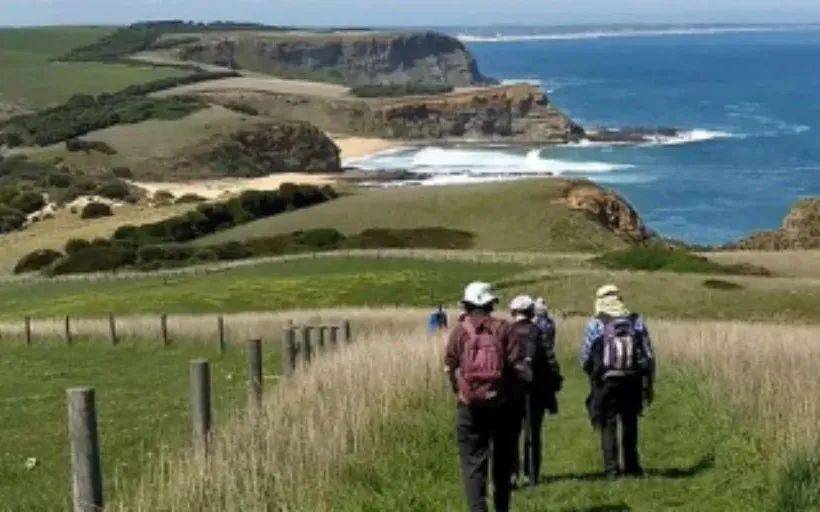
[(351, 147)]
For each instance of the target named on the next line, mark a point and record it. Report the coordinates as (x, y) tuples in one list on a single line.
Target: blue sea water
[(749, 101)]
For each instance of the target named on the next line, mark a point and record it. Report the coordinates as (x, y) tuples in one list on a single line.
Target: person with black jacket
[(617, 355), (539, 395)]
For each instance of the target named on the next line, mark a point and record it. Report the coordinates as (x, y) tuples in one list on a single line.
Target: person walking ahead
[(536, 334), (617, 355), (484, 365)]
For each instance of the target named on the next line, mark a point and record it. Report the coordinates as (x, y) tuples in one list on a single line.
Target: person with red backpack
[(617, 355), (485, 366)]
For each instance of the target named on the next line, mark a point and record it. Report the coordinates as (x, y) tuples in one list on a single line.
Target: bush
[(319, 238), (93, 259), (231, 251), (74, 145), (670, 260), (57, 179), (96, 211), (429, 238), (152, 253), (395, 90), (28, 202), (76, 245), (10, 219), (189, 198), (122, 173), (717, 284), (36, 260), (117, 190)]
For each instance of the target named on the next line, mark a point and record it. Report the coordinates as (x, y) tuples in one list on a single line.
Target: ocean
[(746, 98)]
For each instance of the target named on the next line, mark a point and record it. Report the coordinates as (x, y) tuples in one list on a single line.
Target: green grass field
[(568, 284), (142, 407), (30, 80), (519, 216), (715, 465)]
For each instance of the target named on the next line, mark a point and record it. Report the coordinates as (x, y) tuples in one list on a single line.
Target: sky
[(410, 12)]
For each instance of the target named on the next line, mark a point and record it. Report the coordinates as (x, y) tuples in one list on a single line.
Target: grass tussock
[(292, 457)]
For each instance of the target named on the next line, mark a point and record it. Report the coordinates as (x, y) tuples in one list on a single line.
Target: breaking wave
[(627, 32)]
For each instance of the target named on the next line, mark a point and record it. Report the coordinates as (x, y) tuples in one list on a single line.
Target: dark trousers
[(627, 446), (531, 414), (486, 434)]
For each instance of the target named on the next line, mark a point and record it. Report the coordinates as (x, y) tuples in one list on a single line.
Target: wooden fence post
[(255, 372), (68, 338), (324, 338), (28, 330), (163, 327), (346, 332), (112, 328), (288, 350), (200, 375), (334, 335), (86, 477), (307, 344), (220, 324)]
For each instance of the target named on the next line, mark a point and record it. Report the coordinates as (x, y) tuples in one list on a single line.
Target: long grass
[(290, 457)]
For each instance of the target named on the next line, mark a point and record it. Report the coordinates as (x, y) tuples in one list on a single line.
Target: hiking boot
[(635, 472)]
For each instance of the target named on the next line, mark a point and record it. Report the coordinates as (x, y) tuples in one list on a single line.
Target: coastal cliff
[(607, 208), (513, 113), (352, 58), (800, 230)]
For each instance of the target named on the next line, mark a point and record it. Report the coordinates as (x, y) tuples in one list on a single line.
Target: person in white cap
[(537, 396), (617, 355), (484, 366)]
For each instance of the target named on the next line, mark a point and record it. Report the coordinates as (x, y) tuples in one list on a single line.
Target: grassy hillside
[(32, 81), (567, 282), (519, 216)]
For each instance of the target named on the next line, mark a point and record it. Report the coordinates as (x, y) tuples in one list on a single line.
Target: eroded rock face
[(608, 208), (800, 230), (353, 58), (269, 148)]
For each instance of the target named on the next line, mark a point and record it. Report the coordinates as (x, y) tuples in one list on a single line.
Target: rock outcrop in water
[(352, 58), (608, 208), (800, 230)]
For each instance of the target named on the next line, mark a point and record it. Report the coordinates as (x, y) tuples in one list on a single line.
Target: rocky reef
[(608, 209), (800, 230), (268, 148), (352, 58)]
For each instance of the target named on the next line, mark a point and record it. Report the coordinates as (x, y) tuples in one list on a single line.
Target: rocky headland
[(800, 230)]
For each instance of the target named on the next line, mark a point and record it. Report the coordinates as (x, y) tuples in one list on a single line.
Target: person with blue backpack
[(617, 355)]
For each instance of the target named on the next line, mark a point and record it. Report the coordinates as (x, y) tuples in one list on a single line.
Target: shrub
[(670, 260), (717, 284), (93, 259), (319, 238), (394, 90), (10, 219), (76, 245), (57, 179), (152, 253), (117, 190), (122, 172), (28, 202), (231, 251), (189, 198), (242, 108), (429, 238), (74, 145), (36, 260), (96, 211)]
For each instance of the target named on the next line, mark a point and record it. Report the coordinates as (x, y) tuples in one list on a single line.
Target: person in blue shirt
[(617, 354), (437, 321)]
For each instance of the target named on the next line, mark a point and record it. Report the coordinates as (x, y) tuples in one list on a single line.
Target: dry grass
[(290, 455), (795, 263)]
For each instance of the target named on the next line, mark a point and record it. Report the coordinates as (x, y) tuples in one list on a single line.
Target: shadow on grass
[(705, 463)]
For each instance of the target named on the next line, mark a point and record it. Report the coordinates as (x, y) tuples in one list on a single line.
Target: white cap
[(540, 305), (522, 303), (606, 290), (479, 294)]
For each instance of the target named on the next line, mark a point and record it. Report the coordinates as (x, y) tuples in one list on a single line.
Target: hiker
[(484, 365), (617, 355), (437, 321), (538, 396)]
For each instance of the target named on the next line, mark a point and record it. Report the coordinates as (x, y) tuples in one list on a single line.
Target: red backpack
[(481, 368)]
